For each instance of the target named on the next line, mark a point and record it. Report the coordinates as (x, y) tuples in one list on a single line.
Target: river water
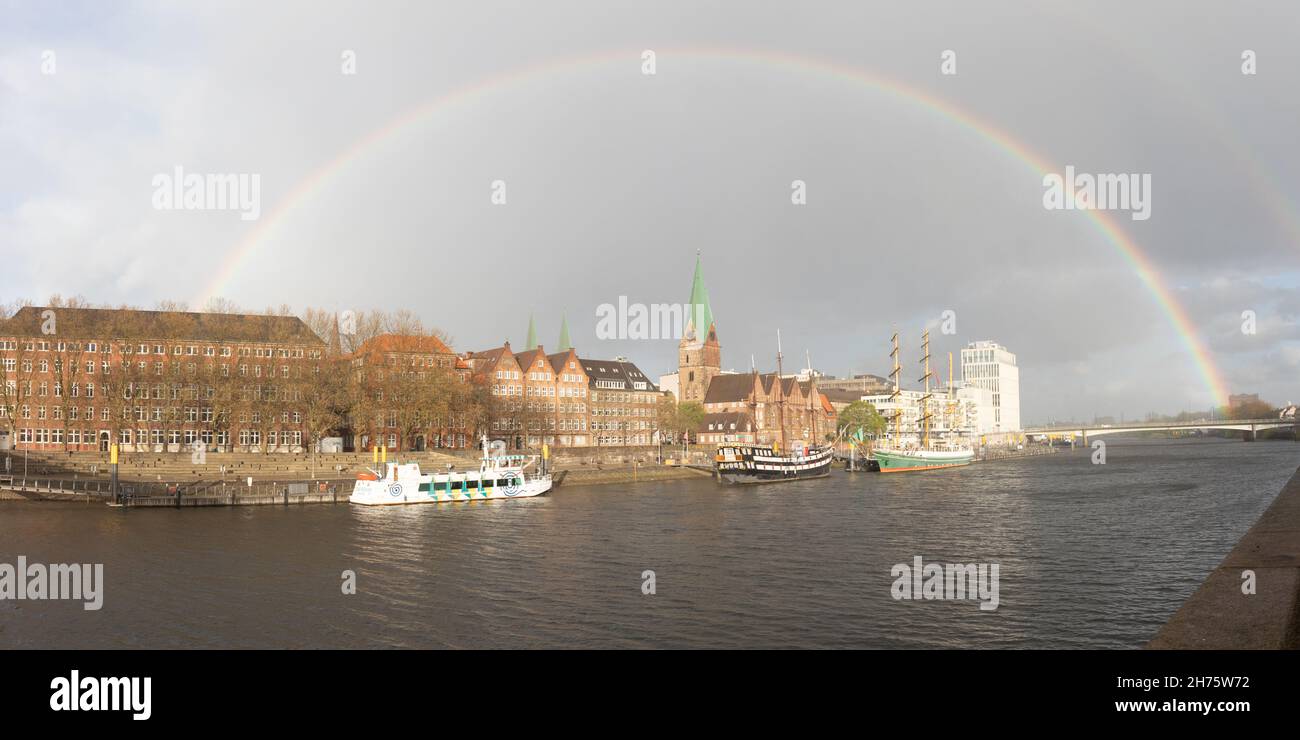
[(1089, 556)]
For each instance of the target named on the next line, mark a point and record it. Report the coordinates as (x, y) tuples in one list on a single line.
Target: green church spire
[(699, 304), (565, 346), (532, 334)]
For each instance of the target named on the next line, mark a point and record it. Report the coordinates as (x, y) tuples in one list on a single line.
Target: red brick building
[(497, 370), (405, 397), (80, 378)]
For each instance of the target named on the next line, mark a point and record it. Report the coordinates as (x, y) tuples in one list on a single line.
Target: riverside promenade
[(1220, 616)]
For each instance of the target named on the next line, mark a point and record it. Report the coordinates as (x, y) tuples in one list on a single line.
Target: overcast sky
[(375, 187)]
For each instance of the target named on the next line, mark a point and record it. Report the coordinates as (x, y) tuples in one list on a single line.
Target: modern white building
[(991, 366), (668, 383), (966, 412)]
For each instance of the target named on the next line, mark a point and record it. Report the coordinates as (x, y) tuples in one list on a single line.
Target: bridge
[(1248, 428)]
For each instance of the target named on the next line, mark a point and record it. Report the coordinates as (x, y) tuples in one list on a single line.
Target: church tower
[(699, 356)]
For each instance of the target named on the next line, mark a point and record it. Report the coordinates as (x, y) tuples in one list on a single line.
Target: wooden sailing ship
[(776, 463)]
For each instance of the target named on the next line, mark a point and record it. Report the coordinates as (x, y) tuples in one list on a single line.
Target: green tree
[(862, 416), (679, 419)]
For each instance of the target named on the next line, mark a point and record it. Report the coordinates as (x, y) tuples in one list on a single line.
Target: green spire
[(564, 334), (700, 298), (532, 334)]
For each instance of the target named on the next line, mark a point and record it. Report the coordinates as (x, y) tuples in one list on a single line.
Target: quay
[(174, 480), (1221, 616)]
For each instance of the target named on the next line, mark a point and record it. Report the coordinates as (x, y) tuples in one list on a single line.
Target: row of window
[(178, 350)]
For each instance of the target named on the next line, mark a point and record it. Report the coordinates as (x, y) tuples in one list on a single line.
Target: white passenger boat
[(498, 476)]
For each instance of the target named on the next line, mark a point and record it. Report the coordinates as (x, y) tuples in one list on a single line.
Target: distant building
[(965, 412), (1237, 400), (859, 383), (991, 366), (840, 398), (668, 384)]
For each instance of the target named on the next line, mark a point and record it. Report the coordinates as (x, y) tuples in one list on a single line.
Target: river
[(1089, 556)]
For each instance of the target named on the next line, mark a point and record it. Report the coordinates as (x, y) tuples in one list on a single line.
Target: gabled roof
[(129, 323), (742, 419), (737, 387), (487, 360), (826, 404), (528, 357), (616, 370), (558, 360), (730, 388)]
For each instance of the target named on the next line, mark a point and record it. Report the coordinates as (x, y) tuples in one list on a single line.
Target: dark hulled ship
[(753, 463), (738, 462)]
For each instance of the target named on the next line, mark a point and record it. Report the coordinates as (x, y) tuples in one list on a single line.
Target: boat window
[(455, 485)]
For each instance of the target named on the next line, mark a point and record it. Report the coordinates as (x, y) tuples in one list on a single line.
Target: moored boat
[(898, 455), (498, 477), (895, 461), (753, 463), (738, 462)]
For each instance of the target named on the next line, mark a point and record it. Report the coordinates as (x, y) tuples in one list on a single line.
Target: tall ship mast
[(925, 398), (898, 457), (814, 401), (780, 388), (894, 397)]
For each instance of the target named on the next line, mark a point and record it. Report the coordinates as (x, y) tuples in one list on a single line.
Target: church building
[(741, 407)]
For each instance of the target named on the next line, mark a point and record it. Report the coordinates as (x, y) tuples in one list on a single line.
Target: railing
[(1156, 425), (101, 488)]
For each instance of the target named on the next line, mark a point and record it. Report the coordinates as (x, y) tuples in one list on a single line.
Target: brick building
[(564, 399), (749, 407), (80, 378), (624, 403), (405, 394), (572, 414), (498, 371)]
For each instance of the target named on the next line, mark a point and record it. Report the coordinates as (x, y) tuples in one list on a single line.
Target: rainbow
[(1104, 223)]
